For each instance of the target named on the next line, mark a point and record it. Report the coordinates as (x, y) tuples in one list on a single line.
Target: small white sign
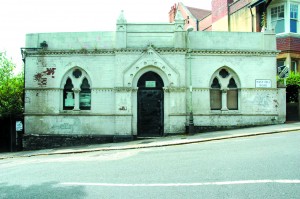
[(263, 83), (150, 84), (19, 126)]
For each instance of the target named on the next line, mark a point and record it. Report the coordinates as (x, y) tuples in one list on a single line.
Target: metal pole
[(284, 81)]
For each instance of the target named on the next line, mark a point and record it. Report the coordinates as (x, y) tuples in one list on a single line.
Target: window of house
[(224, 91), (277, 19), (293, 17), (232, 95), (215, 95), (85, 95), (294, 66), (77, 91), (280, 62), (68, 95)]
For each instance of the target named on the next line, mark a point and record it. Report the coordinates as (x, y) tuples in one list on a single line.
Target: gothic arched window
[(232, 95), (224, 91), (215, 95), (68, 94), (76, 90), (85, 95)]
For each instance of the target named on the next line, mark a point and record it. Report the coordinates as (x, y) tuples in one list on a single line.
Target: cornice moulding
[(159, 50)]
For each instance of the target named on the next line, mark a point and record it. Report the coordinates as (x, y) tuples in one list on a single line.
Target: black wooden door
[(150, 112)]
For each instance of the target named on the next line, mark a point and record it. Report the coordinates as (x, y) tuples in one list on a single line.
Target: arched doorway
[(150, 105)]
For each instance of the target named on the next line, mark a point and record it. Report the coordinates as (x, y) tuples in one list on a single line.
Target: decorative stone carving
[(151, 58), (176, 89), (121, 19), (123, 89), (179, 22)]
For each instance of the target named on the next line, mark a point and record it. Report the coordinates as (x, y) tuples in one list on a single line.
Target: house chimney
[(172, 13)]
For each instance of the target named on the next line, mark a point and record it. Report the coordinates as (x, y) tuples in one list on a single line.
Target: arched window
[(224, 90), (68, 100), (77, 90), (85, 95), (232, 95), (215, 95)]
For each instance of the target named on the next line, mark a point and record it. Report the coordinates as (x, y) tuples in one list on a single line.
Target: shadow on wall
[(292, 103), (5, 135), (45, 190), (10, 139)]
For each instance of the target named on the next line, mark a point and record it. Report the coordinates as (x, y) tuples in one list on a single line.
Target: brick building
[(146, 80), (280, 16)]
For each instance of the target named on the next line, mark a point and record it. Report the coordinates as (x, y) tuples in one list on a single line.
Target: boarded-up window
[(232, 99), (215, 95), (232, 95), (215, 99)]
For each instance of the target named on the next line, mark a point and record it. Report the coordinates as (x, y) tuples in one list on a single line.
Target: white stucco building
[(144, 80)]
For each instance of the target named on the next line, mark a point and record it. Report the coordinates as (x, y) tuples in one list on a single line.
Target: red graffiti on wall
[(41, 78), (50, 71)]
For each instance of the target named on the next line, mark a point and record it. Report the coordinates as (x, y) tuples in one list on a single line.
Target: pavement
[(162, 141)]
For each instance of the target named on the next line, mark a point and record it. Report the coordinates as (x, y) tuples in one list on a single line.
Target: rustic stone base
[(36, 142)]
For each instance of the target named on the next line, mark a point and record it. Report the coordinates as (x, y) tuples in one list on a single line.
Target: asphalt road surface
[(255, 167)]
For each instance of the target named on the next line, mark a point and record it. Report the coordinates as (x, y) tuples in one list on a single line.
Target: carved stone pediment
[(151, 60)]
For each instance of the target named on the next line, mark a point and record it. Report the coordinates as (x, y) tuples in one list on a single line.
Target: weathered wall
[(241, 20), (113, 70)]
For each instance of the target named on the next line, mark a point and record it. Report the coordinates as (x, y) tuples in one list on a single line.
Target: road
[(254, 167)]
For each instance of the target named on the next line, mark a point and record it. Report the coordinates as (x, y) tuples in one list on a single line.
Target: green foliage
[(292, 80), (292, 86), (263, 22), (11, 88)]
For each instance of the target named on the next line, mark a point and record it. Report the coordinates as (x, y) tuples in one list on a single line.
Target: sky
[(19, 17)]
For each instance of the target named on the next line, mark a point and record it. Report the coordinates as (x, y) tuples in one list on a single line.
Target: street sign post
[(283, 72)]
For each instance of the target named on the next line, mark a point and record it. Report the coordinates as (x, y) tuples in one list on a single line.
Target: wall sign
[(263, 83), (150, 84), (19, 126)]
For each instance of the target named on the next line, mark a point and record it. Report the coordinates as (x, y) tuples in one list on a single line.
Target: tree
[(11, 88)]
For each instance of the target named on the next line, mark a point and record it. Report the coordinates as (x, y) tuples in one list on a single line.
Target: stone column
[(288, 61), (224, 100), (179, 33), (121, 33), (76, 99)]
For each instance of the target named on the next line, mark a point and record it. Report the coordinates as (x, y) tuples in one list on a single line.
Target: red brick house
[(280, 16)]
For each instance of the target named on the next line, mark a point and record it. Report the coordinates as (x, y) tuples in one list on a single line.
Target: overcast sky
[(18, 17)]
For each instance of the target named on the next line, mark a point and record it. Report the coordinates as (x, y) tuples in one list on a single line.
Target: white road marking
[(182, 184)]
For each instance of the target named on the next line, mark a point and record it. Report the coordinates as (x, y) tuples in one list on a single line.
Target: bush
[(292, 86)]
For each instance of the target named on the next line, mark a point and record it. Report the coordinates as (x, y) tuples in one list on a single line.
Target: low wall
[(36, 142)]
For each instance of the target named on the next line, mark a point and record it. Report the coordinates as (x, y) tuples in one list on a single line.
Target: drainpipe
[(191, 116), (228, 15), (252, 21)]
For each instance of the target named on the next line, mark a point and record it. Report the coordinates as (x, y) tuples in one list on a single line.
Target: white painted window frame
[(287, 18)]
